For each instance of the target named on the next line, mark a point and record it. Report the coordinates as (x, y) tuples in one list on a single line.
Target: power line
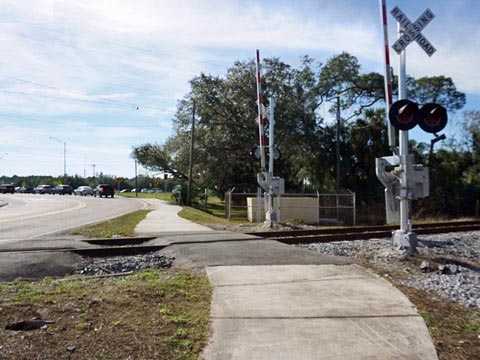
[(99, 100), (28, 82), (42, 121), (122, 44)]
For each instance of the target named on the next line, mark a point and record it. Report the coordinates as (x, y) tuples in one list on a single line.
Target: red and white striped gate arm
[(388, 75)]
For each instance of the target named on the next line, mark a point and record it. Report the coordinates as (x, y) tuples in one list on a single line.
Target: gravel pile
[(121, 264), (450, 266)]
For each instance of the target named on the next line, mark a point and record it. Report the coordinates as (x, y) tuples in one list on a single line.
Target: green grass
[(26, 293), (200, 217), (153, 314), (167, 196), (214, 212), (121, 226)]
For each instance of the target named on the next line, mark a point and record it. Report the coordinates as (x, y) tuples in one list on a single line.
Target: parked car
[(27, 190), (63, 189), (124, 191), (43, 189), (83, 191), (104, 190), (17, 188), (7, 188)]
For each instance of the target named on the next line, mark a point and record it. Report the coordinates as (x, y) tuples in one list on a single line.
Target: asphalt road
[(28, 216)]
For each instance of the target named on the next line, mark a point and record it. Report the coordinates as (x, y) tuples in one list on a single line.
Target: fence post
[(259, 203), (325, 206), (226, 204), (229, 205), (318, 208), (337, 206), (279, 207), (205, 201), (354, 209)]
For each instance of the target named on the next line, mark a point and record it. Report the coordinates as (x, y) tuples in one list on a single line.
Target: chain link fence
[(314, 208)]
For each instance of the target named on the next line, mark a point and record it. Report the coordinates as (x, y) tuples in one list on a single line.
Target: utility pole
[(64, 155), (192, 139), (93, 166)]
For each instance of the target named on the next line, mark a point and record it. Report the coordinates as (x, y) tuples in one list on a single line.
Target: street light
[(64, 155)]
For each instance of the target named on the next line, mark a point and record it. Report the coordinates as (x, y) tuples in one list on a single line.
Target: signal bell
[(405, 115)]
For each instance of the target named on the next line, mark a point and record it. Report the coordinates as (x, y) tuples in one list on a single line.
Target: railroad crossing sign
[(412, 31)]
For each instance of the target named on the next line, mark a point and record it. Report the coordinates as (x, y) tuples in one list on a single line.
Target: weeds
[(148, 314), (121, 226)]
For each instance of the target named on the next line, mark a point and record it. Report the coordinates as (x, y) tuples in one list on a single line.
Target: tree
[(436, 89), (226, 129), (470, 125), (367, 140)]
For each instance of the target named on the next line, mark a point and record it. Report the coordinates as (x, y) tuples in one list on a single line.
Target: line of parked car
[(101, 190)]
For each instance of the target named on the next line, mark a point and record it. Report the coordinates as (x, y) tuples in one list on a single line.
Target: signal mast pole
[(265, 178), (404, 237)]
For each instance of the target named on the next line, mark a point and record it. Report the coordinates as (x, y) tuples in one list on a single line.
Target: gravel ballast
[(122, 264), (446, 264)]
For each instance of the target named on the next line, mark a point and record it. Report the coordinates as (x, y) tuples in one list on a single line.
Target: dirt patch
[(260, 227)]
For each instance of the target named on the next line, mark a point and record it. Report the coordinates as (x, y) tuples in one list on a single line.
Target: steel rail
[(324, 238), (358, 229), (133, 246)]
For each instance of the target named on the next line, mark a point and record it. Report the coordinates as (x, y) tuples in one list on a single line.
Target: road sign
[(412, 31)]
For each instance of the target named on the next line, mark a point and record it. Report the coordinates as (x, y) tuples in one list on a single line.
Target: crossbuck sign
[(412, 31)]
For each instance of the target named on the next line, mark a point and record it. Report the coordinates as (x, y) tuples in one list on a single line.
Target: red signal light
[(403, 114), (433, 118)]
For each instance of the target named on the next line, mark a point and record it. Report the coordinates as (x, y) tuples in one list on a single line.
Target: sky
[(98, 77)]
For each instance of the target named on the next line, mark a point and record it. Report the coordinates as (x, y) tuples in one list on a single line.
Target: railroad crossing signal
[(412, 31), (405, 115)]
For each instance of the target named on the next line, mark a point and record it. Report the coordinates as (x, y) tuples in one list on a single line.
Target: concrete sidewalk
[(164, 219), (312, 312), (274, 301)]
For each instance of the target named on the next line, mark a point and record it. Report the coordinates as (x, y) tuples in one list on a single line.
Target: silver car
[(83, 191)]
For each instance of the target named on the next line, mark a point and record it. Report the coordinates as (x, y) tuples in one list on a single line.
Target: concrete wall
[(292, 208)]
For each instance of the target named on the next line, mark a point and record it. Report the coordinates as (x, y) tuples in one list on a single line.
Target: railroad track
[(134, 245), (363, 232)]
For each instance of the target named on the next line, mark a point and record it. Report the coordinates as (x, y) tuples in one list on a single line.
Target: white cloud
[(78, 55)]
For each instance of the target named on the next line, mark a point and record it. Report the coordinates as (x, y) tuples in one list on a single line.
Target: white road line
[(80, 205)]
